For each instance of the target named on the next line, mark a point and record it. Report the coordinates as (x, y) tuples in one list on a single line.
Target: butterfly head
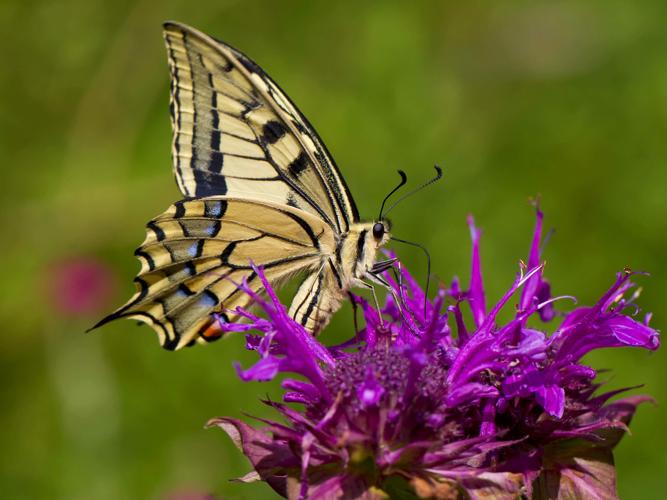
[(380, 232)]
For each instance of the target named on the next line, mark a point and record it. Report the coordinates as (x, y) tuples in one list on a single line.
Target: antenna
[(404, 179), (437, 177)]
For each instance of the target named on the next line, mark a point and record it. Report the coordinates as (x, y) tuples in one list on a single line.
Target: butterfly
[(259, 188)]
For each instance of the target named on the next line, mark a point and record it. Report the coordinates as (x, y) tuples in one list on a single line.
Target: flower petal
[(370, 392), (552, 399), (476, 297), (632, 333)]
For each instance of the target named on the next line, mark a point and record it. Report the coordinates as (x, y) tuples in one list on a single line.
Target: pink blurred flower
[(80, 285)]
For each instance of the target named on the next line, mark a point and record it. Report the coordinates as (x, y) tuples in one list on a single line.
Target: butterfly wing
[(260, 186), (318, 297), (198, 251), (237, 134)]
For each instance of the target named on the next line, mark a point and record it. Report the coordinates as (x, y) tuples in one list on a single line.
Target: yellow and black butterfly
[(260, 187)]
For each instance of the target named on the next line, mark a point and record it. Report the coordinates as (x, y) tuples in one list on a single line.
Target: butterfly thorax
[(356, 252), (323, 292)]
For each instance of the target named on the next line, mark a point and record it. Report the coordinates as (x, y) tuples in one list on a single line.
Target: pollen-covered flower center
[(385, 377), (389, 370)]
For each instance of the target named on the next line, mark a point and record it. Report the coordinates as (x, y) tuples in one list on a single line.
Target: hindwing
[(198, 251), (319, 296)]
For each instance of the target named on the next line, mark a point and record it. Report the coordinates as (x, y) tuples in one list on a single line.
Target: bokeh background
[(564, 99)]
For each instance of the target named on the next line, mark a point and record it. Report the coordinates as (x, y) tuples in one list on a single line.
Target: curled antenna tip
[(404, 179), (407, 195)]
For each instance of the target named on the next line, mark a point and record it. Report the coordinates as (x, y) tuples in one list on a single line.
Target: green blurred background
[(513, 99)]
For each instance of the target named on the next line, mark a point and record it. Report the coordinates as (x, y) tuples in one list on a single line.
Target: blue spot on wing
[(192, 250), (208, 299), (216, 210)]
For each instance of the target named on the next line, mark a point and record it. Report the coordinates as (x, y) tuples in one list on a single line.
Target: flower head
[(426, 402)]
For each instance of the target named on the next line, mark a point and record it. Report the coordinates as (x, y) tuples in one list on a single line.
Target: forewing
[(198, 251), (237, 134)]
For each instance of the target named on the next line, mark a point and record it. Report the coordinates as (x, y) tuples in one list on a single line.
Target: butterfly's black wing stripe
[(336, 274), (175, 113), (193, 158), (296, 311), (314, 298)]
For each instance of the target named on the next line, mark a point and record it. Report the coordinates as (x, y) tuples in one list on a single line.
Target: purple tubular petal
[(629, 332), (476, 296), (372, 320), (455, 292), (573, 373), (488, 426), (307, 390), (552, 399), (585, 329), (470, 393), (296, 397), (475, 354), (543, 294), (532, 346), (262, 371), (370, 392), (530, 291), (278, 313)]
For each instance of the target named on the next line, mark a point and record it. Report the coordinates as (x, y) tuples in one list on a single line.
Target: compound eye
[(378, 230)]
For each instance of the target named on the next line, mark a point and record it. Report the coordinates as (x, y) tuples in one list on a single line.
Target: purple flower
[(429, 404)]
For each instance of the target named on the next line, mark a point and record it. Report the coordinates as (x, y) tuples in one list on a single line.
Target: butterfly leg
[(355, 307), (398, 275), (374, 274), (398, 300), (369, 286), (381, 266)]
